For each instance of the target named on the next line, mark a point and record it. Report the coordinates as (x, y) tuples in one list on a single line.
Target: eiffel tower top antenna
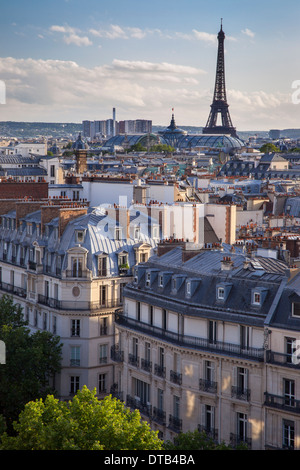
[(219, 105)]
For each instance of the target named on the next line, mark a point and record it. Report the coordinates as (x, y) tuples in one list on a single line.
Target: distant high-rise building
[(274, 134), (86, 125)]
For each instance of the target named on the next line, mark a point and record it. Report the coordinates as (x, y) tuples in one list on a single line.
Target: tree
[(195, 440), (269, 148), (84, 423), (162, 148), (31, 361)]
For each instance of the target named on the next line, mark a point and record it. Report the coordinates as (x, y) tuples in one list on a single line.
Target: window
[(137, 233), (75, 356), (242, 424), (160, 399), (212, 332), (45, 321), (138, 311), (147, 352), (151, 314), (46, 289), (135, 347), (52, 171), (76, 267), (244, 337), (102, 266), (290, 348), (161, 281), (54, 325), (103, 326), (176, 407), (143, 257), (296, 309), (75, 327), (209, 371), (209, 418), (164, 319), (161, 357), (103, 296), (102, 382), (103, 354), (256, 298), (74, 385), (141, 390), (118, 234), (148, 279), (288, 434), (79, 236), (289, 392), (188, 288), (242, 379), (221, 293)]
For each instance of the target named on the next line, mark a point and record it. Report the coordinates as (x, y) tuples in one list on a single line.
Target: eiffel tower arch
[(219, 106)]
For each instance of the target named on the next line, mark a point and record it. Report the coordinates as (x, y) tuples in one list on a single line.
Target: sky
[(75, 60)]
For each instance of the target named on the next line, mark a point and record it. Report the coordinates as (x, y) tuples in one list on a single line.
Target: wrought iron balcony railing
[(256, 354), (287, 403), (240, 393), (116, 354), (175, 377), (207, 386), (175, 423)]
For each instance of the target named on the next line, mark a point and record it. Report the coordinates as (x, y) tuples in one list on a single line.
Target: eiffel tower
[(219, 104)]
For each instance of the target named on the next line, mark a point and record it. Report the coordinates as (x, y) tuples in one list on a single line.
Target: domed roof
[(173, 129), (79, 144)]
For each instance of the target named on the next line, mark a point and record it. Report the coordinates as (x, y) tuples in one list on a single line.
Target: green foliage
[(269, 148), (162, 148), (85, 423), (195, 440), (31, 361), (137, 148)]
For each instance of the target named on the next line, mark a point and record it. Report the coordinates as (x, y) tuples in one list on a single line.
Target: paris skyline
[(68, 60)]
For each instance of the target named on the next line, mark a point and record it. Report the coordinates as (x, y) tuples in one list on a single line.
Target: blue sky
[(70, 60)]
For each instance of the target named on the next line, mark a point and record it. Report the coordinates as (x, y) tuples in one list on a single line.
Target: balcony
[(136, 403), (32, 265), (175, 424), (133, 360), (77, 305), (220, 347), (281, 359), (115, 393), (159, 370), (285, 403), (13, 290), (77, 273), (175, 377), (236, 440), (211, 433), (159, 416), (207, 386), (146, 365), (116, 354), (240, 393)]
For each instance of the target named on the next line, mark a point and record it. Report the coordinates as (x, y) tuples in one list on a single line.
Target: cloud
[(64, 91), (71, 35), (248, 32), (77, 40)]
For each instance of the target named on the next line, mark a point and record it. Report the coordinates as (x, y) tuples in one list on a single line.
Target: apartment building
[(207, 341), (67, 266)]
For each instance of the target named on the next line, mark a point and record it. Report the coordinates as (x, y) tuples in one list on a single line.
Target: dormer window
[(79, 236), (221, 293), (256, 298), (102, 266), (161, 281), (148, 279), (118, 234), (188, 287), (296, 309), (137, 233)]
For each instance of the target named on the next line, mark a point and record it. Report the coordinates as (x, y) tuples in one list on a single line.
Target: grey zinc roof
[(206, 268)]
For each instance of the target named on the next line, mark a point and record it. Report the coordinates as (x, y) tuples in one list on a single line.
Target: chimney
[(64, 214), (226, 263)]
